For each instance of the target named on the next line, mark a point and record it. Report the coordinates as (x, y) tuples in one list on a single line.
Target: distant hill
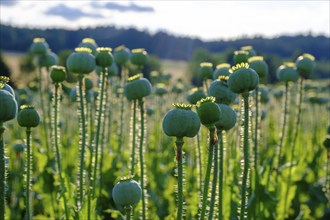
[(161, 44)]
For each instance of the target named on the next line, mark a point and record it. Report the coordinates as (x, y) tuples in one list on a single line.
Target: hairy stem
[(212, 142), (134, 138), (179, 144), (2, 173), (28, 173), (57, 150), (246, 155), (256, 152), (83, 140), (142, 175), (293, 145), (220, 202), (214, 181), (100, 115)]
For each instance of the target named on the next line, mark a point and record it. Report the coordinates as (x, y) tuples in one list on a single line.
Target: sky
[(207, 20)]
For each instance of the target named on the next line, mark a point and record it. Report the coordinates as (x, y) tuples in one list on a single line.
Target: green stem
[(256, 152), (82, 120), (220, 202), (246, 155), (212, 142), (28, 173), (100, 115), (214, 181), (199, 157), (58, 154), (179, 143), (2, 173), (142, 175), (128, 211), (134, 138), (284, 118), (293, 145)]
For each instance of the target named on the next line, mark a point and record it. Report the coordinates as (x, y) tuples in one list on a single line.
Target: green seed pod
[(264, 95), (181, 122), (139, 57), (305, 65), (241, 56), (47, 60), (39, 46), (137, 87), (228, 118), (88, 84), (194, 95), (208, 112), (8, 106), (89, 43), (243, 79), (18, 147), (205, 70), (28, 117), (259, 65), (178, 88), (57, 74), (287, 73), (127, 192), (221, 70), (161, 89), (250, 50), (104, 57), (219, 89), (122, 55), (278, 94), (81, 61)]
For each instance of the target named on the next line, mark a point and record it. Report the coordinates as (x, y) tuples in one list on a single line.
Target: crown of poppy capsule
[(250, 50), (195, 94), (126, 193), (137, 87), (8, 106), (3, 85), (228, 118), (241, 56), (208, 111), (221, 70), (28, 116), (104, 57), (287, 72), (161, 89), (57, 74), (205, 70), (81, 61), (259, 65), (39, 46), (305, 65), (181, 121), (219, 89), (243, 79), (89, 43), (121, 55), (139, 57)]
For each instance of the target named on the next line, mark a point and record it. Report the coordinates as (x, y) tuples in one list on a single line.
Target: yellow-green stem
[(212, 142), (246, 156), (220, 202), (58, 154), (179, 144), (28, 173), (134, 139), (2, 173), (214, 181)]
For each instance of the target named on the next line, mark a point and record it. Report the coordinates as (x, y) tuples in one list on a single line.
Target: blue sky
[(207, 20)]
